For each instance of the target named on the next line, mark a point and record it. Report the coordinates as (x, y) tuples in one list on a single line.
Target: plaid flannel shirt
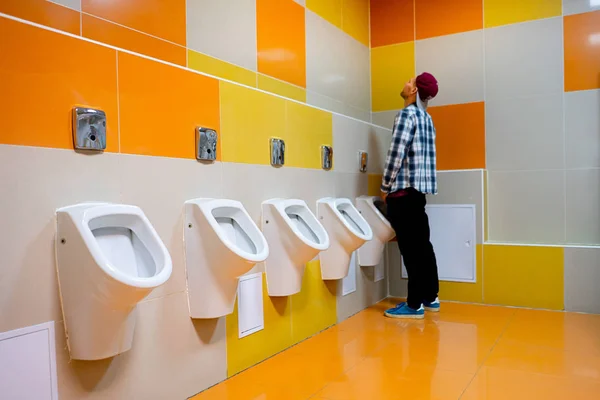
[(411, 160)]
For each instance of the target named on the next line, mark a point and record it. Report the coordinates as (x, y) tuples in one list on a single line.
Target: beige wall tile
[(524, 59), (172, 357), (35, 182), (225, 29), (525, 133), (160, 186), (583, 206), (526, 207), (457, 63)]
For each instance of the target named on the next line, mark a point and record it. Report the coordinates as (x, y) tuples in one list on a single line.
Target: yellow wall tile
[(504, 12), (276, 337), (355, 19), (281, 88), (374, 185), (248, 119), (307, 129), (214, 66), (330, 10), (465, 292), (314, 308), (391, 67), (524, 276)]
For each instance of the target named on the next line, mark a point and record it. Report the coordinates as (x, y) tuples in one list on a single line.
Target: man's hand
[(384, 196)]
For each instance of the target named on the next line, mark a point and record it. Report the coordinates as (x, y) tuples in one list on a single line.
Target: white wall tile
[(527, 207), (583, 206), (524, 59), (362, 114), (225, 29), (324, 102), (582, 274), (525, 133), (384, 118), (325, 58), (337, 66), (582, 129), (357, 63), (35, 182), (457, 63), (349, 137), (580, 6)]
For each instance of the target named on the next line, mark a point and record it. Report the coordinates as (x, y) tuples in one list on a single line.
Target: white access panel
[(251, 315), (349, 282), (453, 235), (28, 363)]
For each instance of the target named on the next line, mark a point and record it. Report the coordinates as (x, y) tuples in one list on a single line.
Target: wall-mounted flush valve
[(277, 152), (326, 157), (89, 129), (363, 158), (206, 144)]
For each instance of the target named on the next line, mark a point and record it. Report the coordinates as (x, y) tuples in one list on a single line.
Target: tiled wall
[(152, 109), (518, 123), (313, 51)]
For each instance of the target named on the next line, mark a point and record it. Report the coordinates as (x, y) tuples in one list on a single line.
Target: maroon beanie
[(427, 86)]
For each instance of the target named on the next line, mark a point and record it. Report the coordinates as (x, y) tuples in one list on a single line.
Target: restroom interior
[(518, 142)]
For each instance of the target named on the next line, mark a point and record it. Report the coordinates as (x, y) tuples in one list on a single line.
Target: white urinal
[(221, 244), (347, 231), (370, 253), (108, 258), (295, 237)]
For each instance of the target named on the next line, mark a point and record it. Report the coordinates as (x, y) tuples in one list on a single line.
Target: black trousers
[(409, 220)]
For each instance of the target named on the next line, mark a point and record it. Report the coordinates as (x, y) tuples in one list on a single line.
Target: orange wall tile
[(460, 136), (43, 12), (40, 75), (128, 39), (281, 40), (392, 21), (160, 106), (443, 17), (162, 18), (582, 51)]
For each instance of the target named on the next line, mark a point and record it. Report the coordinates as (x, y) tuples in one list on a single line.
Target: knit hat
[(427, 86)]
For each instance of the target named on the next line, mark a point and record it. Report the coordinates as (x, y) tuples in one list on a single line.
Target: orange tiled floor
[(465, 352)]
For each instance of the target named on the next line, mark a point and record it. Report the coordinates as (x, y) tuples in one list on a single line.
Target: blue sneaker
[(434, 306), (402, 310)]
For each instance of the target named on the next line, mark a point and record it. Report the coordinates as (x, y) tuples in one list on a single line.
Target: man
[(410, 174)]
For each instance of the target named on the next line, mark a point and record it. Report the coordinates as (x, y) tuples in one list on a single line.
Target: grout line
[(565, 246), (510, 319), (132, 29), (564, 129), (118, 104)]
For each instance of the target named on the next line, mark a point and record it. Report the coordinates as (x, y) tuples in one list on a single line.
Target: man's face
[(409, 89)]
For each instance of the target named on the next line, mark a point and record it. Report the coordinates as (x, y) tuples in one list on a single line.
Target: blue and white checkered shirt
[(410, 161)]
